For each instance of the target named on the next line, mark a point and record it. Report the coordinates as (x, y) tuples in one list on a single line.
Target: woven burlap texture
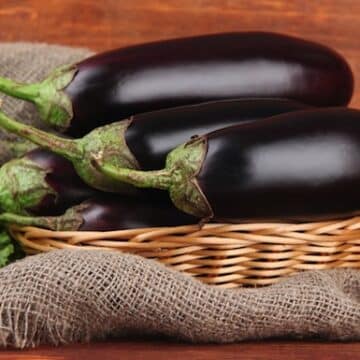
[(69, 296)]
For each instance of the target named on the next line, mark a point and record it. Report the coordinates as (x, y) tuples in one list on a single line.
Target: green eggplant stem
[(53, 104), (70, 220), (108, 140), (158, 179), (12, 88), (64, 147), (179, 177), (9, 218)]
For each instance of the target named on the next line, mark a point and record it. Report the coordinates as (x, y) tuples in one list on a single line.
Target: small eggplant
[(40, 182), (303, 165), (104, 213), (143, 141), (114, 85)]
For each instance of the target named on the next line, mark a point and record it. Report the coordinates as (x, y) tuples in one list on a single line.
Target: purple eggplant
[(40, 183), (149, 137), (143, 141), (116, 84), (104, 213), (303, 165)]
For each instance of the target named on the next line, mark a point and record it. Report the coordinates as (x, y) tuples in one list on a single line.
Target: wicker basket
[(228, 255)]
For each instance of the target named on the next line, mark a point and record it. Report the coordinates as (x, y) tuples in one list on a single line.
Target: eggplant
[(104, 213), (303, 165), (40, 183), (114, 85), (150, 136), (143, 141)]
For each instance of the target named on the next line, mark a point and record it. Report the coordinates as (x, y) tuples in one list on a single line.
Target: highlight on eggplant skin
[(151, 136), (142, 78), (105, 213), (303, 165), (205, 68), (63, 179)]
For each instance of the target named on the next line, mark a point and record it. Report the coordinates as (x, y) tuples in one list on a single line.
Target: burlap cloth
[(69, 296)]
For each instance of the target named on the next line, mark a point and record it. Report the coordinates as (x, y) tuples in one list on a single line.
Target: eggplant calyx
[(108, 143), (185, 162), (23, 186), (10, 149), (71, 220), (15, 148), (178, 177), (53, 104)]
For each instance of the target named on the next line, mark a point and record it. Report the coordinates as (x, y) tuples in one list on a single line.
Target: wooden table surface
[(107, 24), (155, 350)]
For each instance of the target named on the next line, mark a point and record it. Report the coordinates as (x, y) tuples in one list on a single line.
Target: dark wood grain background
[(105, 24)]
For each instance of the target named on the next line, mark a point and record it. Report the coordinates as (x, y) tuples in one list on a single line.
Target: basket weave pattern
[(228, 255)]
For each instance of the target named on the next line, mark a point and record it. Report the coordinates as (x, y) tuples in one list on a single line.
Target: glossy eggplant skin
[(114, 85), (107, 213), (300, 166), (61, 177), (151, 136)]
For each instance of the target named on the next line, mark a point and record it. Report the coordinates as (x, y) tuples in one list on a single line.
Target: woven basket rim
[(241, 226), (227, 255)]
